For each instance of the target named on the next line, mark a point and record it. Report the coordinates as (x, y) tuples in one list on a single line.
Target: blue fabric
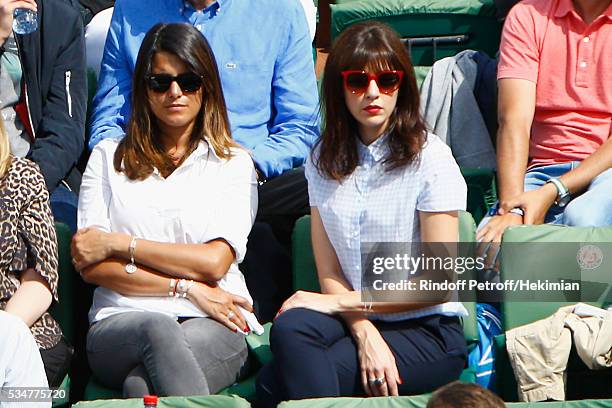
[(316, 356), (482, 358), (64, 206), (264, 56), (592, 208), (485, 90)]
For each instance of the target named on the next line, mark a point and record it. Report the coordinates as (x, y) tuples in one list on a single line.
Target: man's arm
[(295, 127), (516, 108), (60, 133), (112, 103), (515, 115)]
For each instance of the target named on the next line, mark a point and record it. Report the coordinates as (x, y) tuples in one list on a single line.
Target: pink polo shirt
[(547, 42)]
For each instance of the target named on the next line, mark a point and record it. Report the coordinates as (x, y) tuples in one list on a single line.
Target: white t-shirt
[(205, 198)]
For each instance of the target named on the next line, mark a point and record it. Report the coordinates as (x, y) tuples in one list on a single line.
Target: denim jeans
[(151, 353), (592, 208), (64, 206)]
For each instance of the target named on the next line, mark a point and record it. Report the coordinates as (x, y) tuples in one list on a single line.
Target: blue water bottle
[(24, 21)]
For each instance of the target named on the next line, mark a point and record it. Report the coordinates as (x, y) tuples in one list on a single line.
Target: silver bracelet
[(518, 211), (171, 287), (182, 288), (131, 266)]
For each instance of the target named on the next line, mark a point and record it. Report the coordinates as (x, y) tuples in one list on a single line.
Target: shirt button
[(586, 39), (583, 64), (198, 26)]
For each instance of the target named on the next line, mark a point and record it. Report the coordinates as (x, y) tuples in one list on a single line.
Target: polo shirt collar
[(566, 6), (608, 12)]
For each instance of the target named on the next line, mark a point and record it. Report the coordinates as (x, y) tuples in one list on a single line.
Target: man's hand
[(7, 7), (492, 232), (489, 237), (534, 203)]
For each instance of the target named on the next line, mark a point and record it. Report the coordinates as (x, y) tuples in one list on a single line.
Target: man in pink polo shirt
[(554, 150)]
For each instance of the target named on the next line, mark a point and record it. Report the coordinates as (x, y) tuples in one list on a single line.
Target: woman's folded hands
[(91, 245)]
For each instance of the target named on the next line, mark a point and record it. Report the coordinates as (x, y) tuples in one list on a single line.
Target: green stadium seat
[(63, 311), (453, 25), (420, 401), (551, 262), (481, 191), (205, 401)]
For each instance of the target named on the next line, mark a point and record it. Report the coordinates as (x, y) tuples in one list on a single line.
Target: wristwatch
[(563, 194)]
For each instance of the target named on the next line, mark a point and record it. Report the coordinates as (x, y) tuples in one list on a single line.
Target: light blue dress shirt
[(264, 56), (374, 205)]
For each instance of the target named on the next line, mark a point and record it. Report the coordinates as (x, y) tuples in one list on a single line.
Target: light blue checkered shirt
[(374, 205)]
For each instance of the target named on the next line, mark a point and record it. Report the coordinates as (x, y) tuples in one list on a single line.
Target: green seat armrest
[(259, 345)]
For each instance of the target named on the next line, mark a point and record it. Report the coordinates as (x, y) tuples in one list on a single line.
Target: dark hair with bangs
[(141, 150), (368, 45)]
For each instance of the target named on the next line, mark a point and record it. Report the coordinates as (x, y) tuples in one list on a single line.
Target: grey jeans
[(151, 353)]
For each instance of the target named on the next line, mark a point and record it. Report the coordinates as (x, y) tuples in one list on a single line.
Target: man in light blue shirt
[(264, 55)]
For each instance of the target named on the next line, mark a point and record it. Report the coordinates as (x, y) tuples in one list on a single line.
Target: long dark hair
[(374, 46), (141, 150)]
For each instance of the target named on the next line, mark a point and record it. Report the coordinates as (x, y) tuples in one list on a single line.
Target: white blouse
[(374, 205), (205, 198)]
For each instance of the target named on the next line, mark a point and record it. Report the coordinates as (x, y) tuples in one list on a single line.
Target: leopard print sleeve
[(28, 240), (37, 229)]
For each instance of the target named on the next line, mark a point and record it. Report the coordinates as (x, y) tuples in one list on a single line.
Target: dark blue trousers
[(316, 356)]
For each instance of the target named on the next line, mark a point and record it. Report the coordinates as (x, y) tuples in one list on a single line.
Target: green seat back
[(420, 73), (63, 311), (547, 262), (420, 401), (474, 19), (204, 401), (550, 262), (482, 191)]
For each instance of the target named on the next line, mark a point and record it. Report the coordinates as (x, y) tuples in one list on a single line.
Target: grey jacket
[(451, 111)]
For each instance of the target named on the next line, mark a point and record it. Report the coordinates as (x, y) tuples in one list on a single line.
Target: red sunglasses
[(357, 82)]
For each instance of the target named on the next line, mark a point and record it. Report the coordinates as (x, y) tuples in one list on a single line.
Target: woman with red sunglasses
[(164, 216), (375, 176)]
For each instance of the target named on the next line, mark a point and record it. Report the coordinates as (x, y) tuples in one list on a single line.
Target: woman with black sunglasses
[(375, 176), (164, 216)]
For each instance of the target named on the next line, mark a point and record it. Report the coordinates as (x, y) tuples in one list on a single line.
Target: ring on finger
[(378, 381), (231, 315)]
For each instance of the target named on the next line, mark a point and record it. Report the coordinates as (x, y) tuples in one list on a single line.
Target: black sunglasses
[(189, 82)]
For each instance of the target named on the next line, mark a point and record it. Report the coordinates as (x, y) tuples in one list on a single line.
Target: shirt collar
[(378, 149), (563, 8), (566, 6), (185, 5), (203, 149)]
